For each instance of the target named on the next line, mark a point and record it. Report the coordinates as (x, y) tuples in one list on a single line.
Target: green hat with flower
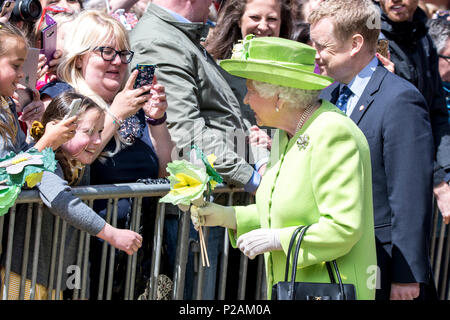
[(276, 60)]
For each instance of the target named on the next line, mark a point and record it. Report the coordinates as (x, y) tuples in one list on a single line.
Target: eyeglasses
[(109, 54), (444, 57)]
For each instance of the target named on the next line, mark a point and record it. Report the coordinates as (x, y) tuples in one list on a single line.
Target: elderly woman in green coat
[(318, 175)]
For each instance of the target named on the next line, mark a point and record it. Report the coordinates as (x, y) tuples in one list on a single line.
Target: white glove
[(199, 202), (212, 214), (183, 207), (259, 241)]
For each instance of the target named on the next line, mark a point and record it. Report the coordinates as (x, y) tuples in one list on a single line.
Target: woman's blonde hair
[(8, 130), (91, 29)]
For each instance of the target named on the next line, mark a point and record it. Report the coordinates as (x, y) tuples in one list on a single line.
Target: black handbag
[(292, 290)]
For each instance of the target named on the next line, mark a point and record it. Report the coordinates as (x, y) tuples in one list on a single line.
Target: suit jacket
[(394, 117), (416, 60), (325, 184)]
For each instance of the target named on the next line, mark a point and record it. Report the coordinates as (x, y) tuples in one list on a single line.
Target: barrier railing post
[(433, 230), (37, 243), (225, 257), (243, 264), (60, 271), (101, 280), (26, 249), (135, 228), (12, 216), (81, 237), (197, 293), (437, 267), (157, 245), (260, 292), (181, 255), (84, 277), (111, 254), (445, 281), (53, 256)]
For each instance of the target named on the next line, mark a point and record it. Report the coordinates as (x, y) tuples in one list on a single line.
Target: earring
[(277, 107)]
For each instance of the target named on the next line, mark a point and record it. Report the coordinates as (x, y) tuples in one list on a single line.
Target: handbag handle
[(291, 243), (291, 290)]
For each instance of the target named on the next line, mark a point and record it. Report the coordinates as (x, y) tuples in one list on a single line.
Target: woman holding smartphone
[(136, 141)]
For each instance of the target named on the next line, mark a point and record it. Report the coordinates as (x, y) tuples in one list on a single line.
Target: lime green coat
[(327, 185)]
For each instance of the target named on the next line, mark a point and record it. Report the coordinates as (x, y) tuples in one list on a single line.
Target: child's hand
[(126, 240), (122, 239), (157, 105), (57, 133)]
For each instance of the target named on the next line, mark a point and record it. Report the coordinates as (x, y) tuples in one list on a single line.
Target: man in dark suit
[(393, 116)]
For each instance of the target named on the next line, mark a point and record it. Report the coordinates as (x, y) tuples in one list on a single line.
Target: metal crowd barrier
[(439, 251), (114, 192), (440, 254)]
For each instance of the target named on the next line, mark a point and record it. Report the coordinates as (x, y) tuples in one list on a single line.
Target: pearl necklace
[(305, 115)]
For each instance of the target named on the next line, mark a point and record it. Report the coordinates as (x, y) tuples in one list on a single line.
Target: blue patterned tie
[(341, 102)]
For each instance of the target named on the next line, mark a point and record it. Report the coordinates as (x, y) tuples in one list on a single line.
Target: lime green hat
[(276, 60)]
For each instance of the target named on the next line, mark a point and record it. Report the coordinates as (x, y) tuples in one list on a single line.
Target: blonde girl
[(13, 51), (53, 189)]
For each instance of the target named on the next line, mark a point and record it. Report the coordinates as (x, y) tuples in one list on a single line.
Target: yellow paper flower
[(187, 182), (33, 179)]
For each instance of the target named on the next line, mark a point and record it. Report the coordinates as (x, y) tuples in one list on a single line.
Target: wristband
[(115, 120), (156, 122)]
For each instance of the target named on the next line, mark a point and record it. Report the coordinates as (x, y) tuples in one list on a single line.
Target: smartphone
[(74, 108), (29, 78), (48, 41), (383, 47), (29, 68), (7, 7), (145, 75)]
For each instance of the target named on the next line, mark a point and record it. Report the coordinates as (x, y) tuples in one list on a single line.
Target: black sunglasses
[(444, 57), (109, 54)]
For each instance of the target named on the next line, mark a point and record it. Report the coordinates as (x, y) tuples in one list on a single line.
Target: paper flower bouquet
[(190, 181), (25, 168)]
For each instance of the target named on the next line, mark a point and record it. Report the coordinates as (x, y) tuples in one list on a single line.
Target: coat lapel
[(368, 95)]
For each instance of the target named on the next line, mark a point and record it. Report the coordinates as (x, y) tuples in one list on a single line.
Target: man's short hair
[(349, 18), (439, 30)]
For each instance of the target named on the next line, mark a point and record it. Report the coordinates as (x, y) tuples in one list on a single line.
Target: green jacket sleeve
[(247, 219)]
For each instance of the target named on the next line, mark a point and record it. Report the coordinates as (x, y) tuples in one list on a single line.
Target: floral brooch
[(302, 141)]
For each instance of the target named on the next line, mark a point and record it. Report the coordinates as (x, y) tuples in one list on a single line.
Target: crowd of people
[(297, 101)]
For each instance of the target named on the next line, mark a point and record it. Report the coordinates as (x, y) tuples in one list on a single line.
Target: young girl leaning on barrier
[(56, 194)]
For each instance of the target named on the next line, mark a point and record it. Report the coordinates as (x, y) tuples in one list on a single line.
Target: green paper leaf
[(209, 169), (8, 197)]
